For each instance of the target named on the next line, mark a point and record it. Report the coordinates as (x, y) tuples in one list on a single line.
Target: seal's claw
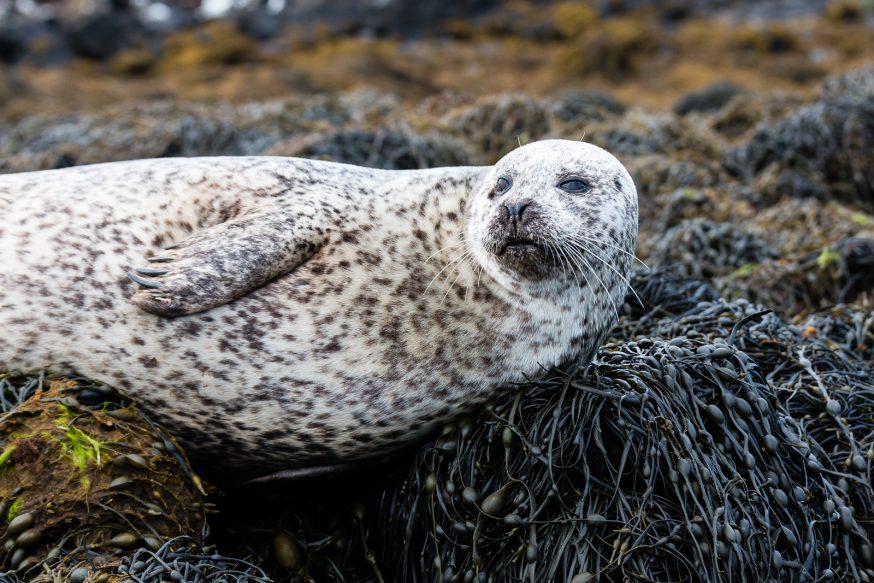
[(151, 271), (157, 303), (142, 281), (161, 258)]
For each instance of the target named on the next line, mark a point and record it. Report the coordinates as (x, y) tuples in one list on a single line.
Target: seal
[(280, 312)]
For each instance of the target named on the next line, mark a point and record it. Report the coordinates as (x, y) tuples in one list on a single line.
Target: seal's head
[(553, 211)]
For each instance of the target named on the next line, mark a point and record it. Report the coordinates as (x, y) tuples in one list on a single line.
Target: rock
[(391, 150), (496, 125), (576, 106), (704, 248), (710, 98), (828, 142), (104, 34), (12, 45), (56, 479)]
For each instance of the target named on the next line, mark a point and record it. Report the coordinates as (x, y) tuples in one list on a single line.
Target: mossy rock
[(708, 99), (571, 19), (766, 39), (79, 481)]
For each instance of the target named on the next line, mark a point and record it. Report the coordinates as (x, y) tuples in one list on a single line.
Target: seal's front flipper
[(226, 261)]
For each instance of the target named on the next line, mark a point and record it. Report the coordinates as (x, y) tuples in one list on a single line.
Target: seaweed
[(704, 248), (829, 142), (707, 99), (387, 149)]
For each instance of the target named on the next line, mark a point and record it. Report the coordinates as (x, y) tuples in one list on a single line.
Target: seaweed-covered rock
[(858, 82), (79, 479), (163, 129), (704, 248), (387, 149), (642, 134), (710, 98), (615, 48), (715, 204), (657, 174), (51, 141), (586, 106), (738, 118), (850, 329), (496, 125), (801, 226), (838, 273), (829, 141)]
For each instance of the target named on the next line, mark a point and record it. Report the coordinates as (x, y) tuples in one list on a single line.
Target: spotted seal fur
[(282, 311)]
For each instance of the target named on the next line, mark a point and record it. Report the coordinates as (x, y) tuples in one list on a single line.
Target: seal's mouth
[(518, 245)]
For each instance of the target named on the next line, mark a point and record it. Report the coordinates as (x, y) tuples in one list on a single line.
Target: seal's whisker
[(579, 237), (458, 268), (445, 267), (570, 266), (477, 271), (578, 269), (598, 277), (459, 262), (555, 258), (562, 259), (582, 247), (453, 246)]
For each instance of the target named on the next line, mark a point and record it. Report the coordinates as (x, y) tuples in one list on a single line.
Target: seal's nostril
[(516, 210)]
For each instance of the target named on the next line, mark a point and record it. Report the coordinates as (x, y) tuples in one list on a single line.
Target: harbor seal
[(278, 312)]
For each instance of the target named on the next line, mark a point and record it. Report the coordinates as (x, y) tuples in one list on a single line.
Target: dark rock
[(710, 98), (12, 45), (829, 141), (495, 125), (586, 106), (704, 248), (390, 150), (259, 21), (388, 17), (857, 257), (103, 35)]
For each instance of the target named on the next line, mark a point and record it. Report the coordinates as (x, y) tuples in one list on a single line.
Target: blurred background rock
[(73, 54)]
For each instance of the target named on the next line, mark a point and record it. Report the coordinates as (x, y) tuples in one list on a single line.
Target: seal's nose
[(515, 210)]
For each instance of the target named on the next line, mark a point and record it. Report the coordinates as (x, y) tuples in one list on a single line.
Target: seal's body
[(294, 310)]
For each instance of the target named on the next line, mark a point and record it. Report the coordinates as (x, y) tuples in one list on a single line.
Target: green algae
[(14, 509)]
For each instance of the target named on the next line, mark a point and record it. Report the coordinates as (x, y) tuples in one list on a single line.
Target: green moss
[(78, 445), (6, 455), (744, 270), (861, 218), (827, 257), (14, 509)]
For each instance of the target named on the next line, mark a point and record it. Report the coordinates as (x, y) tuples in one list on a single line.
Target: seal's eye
[(574, 185), (503, 185)]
